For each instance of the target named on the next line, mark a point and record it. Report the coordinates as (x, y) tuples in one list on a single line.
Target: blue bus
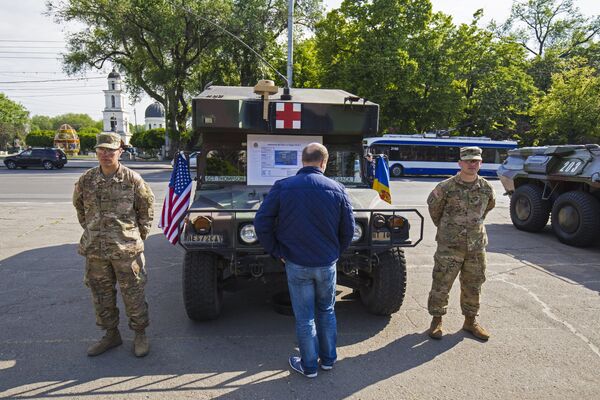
[(431, 154)]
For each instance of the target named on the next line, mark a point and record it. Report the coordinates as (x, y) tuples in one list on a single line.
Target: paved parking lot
[(541, 303)]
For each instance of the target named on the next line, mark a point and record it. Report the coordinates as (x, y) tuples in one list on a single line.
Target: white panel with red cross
[(287, 115)]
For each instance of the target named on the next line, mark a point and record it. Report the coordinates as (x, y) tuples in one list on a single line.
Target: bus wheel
[(397, 170)]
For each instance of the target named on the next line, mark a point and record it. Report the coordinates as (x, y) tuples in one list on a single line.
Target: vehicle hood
[(250, 198)]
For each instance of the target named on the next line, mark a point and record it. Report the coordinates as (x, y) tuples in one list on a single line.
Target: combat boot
[(112, 338), (141, 347), (435, 330), (471, 325)]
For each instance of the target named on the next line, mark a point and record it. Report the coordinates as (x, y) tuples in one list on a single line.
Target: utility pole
[(290, 57)]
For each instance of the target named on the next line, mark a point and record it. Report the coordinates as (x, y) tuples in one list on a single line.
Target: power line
[(32, 58), (57, 95), (54, 80), (30, 41)]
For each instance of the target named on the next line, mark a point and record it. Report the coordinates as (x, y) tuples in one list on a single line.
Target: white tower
[(115, 117)]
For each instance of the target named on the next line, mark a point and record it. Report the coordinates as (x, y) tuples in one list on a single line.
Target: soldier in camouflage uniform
[(115, 208), (458, 207)]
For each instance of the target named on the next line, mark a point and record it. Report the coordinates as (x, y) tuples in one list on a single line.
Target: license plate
[(381, 236), (207, 238)]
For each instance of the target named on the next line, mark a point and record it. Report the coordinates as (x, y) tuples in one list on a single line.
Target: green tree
[(540, 25), (44, 138), (77, 121), (158, 44), (13, 120), (87, 139), (570, 112), (41, 123), (150, 140)]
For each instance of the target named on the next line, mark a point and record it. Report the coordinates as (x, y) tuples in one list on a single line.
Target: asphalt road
[(541, 303)]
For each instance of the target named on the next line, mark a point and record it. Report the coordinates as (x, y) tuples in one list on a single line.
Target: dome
[(114, 74), (155, 110), (66, 131)]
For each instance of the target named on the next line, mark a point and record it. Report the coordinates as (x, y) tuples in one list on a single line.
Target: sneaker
[(326, 367), (296, 364)]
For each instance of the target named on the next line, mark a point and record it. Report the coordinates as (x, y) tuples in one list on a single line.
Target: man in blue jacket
[(307, 221)]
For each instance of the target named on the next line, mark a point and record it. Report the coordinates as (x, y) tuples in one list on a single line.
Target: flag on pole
[(382, 180), (177, 199)]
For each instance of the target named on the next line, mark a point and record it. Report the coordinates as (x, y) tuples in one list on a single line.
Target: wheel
[(47, 164), (385, 294), (576, 218), (11, 164), (397, 170), (202, 294), (528, 211)]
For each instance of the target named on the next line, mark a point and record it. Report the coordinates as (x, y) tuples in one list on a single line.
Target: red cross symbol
[(287, 115)]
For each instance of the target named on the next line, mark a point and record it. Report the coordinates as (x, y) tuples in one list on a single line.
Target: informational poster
[(274, 157)]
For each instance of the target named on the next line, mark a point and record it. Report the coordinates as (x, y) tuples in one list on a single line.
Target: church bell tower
[(115, 117)]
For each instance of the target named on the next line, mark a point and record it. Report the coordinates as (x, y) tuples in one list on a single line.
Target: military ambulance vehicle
[(561, 182), (249, 138)]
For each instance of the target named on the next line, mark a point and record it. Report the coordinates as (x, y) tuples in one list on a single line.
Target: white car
[(192, 157)]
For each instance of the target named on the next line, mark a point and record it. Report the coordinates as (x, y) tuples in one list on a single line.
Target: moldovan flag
[(382, 180), (177, 199)]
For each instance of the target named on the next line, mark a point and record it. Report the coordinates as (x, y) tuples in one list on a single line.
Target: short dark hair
[(314, 153)]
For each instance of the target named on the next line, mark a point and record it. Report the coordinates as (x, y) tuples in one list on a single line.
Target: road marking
[(548, 311)]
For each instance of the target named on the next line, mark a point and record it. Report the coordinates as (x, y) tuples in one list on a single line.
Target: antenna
[(287, 84)]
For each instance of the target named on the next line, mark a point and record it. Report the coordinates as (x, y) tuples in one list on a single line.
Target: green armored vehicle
[(249, 138), (558, 181)]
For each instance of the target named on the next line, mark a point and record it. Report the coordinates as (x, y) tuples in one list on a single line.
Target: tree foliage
[(152, 139), (43, 138), (13, 120), (570, 112)]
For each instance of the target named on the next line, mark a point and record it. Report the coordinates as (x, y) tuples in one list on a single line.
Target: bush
[(40, 139), (149, 140), (87, 141)]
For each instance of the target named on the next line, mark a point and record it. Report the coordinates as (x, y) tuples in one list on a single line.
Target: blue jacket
[(306, 218)]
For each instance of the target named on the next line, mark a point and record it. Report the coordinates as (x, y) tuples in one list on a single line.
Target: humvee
[(557, 182), (249, 138)]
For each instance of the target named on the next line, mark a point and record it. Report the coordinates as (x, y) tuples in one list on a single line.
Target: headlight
[(248, 234), (396, 223), (358, 232), (202, 224), (378, 221)]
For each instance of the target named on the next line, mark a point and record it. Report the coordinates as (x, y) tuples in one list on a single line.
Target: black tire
[(10, 164), (576, 218), (202, 294), (528, 211), (386, 293), (47, 165), (397, 170)]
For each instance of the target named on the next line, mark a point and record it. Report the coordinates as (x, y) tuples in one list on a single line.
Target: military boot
[(435, 330), (112, 338), (471, 325), (141, 347)]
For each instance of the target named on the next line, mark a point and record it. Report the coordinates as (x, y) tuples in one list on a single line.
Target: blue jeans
[(312, 291)]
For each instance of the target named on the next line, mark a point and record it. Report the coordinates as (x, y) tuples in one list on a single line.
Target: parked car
[(47, 158)]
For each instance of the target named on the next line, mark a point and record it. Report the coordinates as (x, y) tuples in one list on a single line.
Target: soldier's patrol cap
[(108, 141), (470, 153)]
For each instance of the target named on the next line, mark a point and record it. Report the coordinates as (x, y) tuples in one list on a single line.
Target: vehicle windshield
[(231, 166)]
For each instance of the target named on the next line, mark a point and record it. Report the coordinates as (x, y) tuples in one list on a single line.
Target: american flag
[(177, 200)]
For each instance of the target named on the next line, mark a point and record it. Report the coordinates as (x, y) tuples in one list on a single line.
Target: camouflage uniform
[(458, 209), (116, 215)]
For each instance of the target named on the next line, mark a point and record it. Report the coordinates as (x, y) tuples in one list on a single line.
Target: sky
[(30, 43)]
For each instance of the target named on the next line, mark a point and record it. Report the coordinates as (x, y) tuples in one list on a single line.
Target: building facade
[(115, 118)]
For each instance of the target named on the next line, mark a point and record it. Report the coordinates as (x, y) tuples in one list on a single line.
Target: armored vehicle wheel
[(397, 170), (48, 165), (528, 211), (202, 294), (576, 218), (11, 165), (388, 284)]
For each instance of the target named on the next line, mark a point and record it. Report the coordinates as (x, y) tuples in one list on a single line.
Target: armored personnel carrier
[(561, 182), (249, 138)]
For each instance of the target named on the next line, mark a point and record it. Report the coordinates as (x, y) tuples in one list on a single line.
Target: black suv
[(47, 158)]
